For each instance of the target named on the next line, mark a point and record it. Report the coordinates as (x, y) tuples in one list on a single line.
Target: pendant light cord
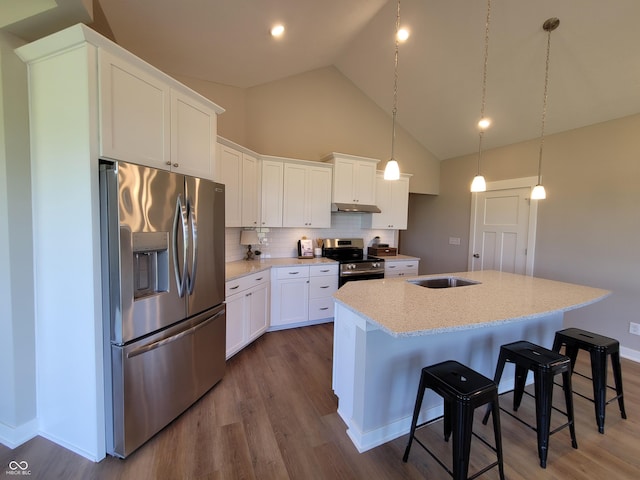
[(395, 88), (484, 79), (549, 28)]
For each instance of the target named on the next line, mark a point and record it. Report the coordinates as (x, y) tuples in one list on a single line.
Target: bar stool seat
[(463, 390), (545, 365), (599, 347)]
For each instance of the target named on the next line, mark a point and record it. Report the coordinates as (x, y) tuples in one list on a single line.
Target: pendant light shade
[(478, 184), (392, 170), (538, 192)]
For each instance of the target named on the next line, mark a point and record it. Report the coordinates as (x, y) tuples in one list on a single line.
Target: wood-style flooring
[(273, 416)]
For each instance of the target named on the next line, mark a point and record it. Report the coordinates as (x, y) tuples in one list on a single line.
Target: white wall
[(17, 323)]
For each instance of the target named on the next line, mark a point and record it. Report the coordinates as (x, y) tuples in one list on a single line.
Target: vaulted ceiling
[(594, 67)]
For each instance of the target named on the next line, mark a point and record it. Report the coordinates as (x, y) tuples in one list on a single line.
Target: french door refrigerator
[(163, 287)]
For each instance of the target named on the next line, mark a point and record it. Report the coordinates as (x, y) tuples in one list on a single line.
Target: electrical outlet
[(454, 240), (634, 328)]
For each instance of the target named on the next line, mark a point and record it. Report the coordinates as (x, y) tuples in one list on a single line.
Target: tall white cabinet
[(74, 119)]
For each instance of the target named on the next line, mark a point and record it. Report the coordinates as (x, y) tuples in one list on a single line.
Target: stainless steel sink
[(443, 282)]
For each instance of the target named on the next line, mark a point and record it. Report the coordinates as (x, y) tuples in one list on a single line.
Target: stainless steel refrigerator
[(163, 280)]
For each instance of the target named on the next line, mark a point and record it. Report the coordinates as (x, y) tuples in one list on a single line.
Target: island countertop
[(402, 308)]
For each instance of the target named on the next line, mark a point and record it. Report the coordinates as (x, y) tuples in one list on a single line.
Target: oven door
[(359, 276)]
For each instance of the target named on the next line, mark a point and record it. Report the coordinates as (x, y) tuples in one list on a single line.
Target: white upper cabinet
[(134, 113), (272, 192), (250, 190), (193, 136), (150, 119), (239, 170), (354, 178), (392, 197), (307, 195)]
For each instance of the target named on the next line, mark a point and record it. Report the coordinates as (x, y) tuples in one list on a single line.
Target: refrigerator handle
[(164, 341), (180, 223), (191, 279)]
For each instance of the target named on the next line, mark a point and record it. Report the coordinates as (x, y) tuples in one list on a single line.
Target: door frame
[(533, 217)]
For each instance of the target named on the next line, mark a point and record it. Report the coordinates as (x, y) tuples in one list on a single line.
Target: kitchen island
[(386, 330)]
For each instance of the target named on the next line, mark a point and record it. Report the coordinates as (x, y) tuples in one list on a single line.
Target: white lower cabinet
[(247, 300), (400, 268), (302, 295), (323, 283)]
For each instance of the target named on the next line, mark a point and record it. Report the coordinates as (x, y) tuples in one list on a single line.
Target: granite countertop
[(241, 268), (391, 258), (403, 309)]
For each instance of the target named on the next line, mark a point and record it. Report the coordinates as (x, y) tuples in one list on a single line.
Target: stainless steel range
[(354, 264)]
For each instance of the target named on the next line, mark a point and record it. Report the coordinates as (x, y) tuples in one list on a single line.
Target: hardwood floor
[(273, 416)]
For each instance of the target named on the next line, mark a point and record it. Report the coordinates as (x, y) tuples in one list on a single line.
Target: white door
[(502, 232)]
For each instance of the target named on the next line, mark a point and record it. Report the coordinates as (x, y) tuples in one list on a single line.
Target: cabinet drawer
[(322, 286), (320, 308), (323, 270), (284, 273), (243, 283)]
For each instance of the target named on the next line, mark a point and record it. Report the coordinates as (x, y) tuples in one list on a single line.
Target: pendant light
[(538, 192), (392, 170), (478, 184)]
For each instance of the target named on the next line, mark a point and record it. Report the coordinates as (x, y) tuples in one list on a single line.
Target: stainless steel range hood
[(354, 208)]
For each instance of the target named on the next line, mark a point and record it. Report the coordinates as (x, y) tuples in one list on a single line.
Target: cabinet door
[(294, 195), (229, 171), (193, 136), (392, 197), (290, 301), (250, 190), (365, 183), (293, 301), (258, 318), (272, 191), (319, 197), (343, 181), (235, 323), (134, 114)]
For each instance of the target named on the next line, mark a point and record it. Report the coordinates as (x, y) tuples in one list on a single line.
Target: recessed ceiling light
[(403, 34), (277, 31)]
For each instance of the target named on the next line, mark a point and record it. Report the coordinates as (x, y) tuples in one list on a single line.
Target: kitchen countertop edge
[(421, 312), (242, 268)]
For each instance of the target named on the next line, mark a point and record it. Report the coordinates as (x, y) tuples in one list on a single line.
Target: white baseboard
[(74, 448), (629, 354), (13, 437)]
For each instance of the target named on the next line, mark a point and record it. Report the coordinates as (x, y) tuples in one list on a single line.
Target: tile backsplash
[(282, 242)]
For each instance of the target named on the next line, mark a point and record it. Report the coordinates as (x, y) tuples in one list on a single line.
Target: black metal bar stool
[(545, 365), (463, 390), (599, 347)]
